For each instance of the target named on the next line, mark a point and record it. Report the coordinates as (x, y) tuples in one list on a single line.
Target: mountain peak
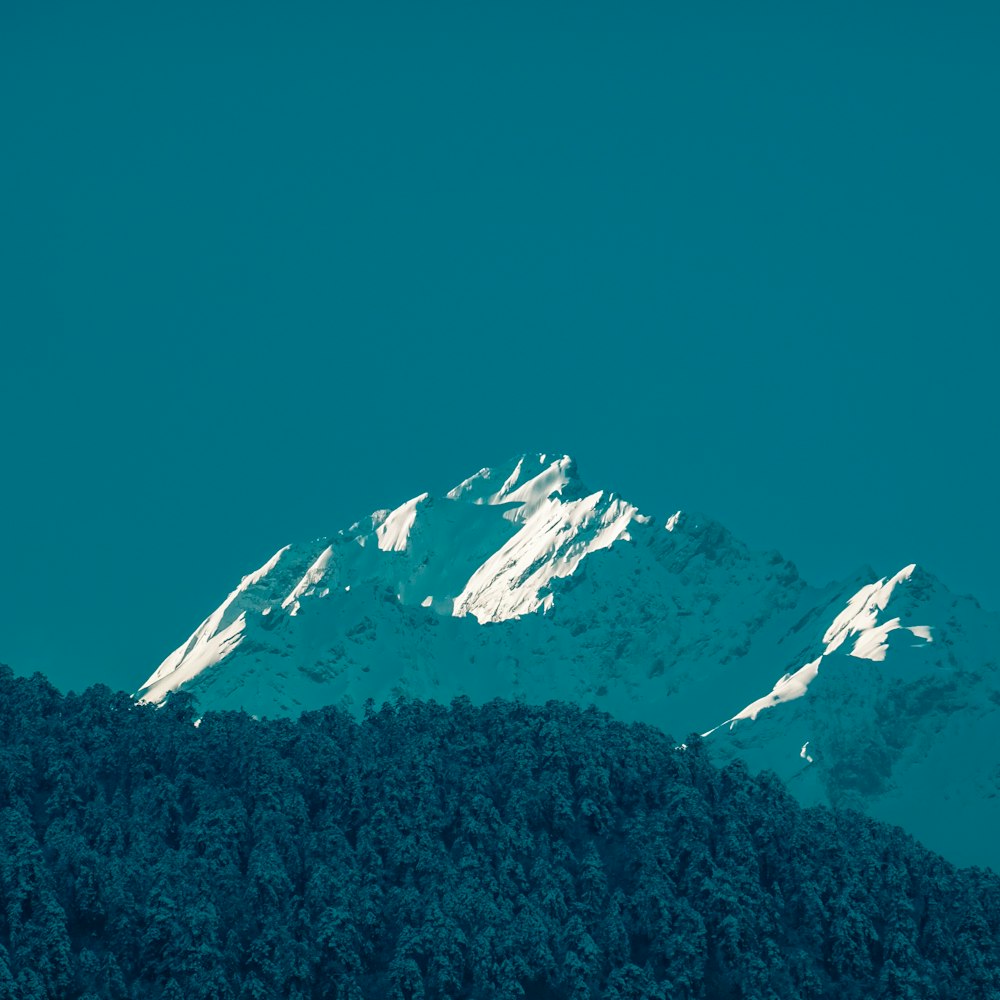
[(671, 621), (527, 479)]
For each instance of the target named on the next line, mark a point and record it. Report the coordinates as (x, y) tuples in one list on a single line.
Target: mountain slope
[(521, 582)]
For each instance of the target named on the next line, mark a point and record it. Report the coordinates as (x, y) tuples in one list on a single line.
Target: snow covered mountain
[(877, 693)]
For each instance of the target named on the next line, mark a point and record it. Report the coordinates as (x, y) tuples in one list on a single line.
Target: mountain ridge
[(522, 582)]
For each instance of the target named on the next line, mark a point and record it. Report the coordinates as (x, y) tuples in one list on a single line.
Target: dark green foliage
[(493, 852)]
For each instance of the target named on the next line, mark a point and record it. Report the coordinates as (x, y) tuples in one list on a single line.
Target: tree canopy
[(424, 851)]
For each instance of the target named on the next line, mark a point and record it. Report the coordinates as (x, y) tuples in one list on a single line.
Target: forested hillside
[(427, 851)]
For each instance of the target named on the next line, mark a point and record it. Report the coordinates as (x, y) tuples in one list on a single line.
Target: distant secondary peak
[(394, 532)]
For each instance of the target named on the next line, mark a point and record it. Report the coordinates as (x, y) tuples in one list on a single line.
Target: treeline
[(425, 851)]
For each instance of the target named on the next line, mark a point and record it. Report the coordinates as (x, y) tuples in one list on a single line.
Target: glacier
[(878, 693)]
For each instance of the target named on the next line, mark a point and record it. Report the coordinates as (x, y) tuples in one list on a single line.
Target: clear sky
[(267, 267)]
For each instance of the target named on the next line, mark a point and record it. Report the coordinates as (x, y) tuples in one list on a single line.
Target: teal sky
[(266, 267)]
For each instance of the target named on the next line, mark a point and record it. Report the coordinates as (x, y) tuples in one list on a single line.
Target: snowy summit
[(521, 582)]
